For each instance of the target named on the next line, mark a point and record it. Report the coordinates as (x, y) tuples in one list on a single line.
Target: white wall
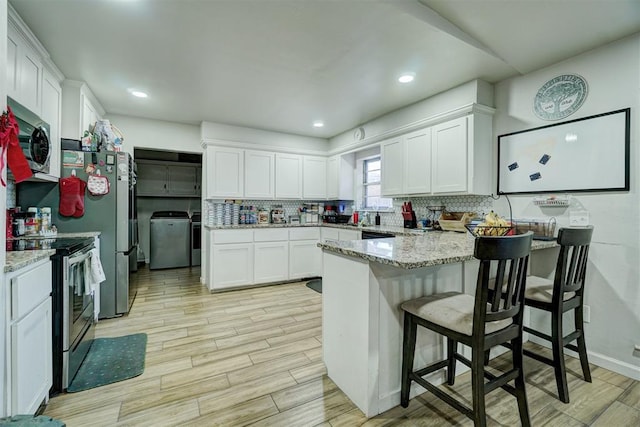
[(473, 92), (613, 282), (217, 133), (157, 134)]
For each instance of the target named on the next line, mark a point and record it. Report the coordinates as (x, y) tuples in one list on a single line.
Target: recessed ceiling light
[(318, 124), (407, 77), (139, 94)]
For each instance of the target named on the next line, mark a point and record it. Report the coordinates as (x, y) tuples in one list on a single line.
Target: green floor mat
[(111, 360)]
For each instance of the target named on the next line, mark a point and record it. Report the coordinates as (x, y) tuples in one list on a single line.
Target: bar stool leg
[(451, 367), (582, 346), (521, 395), (477, 386), (558, 356), (408, 352)]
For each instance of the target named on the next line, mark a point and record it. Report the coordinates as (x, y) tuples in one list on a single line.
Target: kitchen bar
[(364, 283)]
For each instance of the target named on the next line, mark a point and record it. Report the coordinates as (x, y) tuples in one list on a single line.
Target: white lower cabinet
[(28, 317), (31, 375), (232, 265), (305, 259), (271, 262)]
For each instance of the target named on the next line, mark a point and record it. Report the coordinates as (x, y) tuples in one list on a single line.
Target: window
[(372, 193)]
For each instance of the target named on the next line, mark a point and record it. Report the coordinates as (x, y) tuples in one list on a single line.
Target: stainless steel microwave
[(33, 137)]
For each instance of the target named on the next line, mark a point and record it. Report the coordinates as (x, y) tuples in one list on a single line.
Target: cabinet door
[(89, 115), (13, 41), (305, 259), (417, 162), (225, 172), (152, 179), (30, 79), (259, 175), (182, 181), (329, 233), (271, 262), (450, 156), (392, 180), (314, 179), (31, 371), (232, 265), (333, 169), (288, 176), (51, 106)]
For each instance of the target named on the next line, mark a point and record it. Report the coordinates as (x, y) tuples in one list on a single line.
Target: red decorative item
[(10, 144), (72, 191)]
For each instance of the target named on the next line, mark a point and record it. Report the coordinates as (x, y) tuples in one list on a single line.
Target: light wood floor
[(254, 357)]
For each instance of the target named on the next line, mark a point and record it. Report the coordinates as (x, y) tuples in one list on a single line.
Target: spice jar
[(45, 220), (31, 222)]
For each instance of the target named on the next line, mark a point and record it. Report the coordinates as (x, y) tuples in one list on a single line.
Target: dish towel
[(97, 276)]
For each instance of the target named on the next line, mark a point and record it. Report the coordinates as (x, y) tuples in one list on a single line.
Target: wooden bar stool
[(562, 294), (479, 322)]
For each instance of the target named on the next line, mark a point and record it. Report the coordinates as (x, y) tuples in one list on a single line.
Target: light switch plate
[(578, 218)]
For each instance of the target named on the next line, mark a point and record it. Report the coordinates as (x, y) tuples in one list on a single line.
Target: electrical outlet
[(586, 313), (578, 218)]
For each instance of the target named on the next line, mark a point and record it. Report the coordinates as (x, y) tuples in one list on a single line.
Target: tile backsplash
[(478, 204), (11, 194)]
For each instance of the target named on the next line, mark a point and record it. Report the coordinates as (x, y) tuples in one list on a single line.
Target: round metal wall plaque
[(560, 97)]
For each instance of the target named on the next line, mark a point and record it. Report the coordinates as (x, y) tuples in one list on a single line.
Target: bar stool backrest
[(508, 257), (572, 261)]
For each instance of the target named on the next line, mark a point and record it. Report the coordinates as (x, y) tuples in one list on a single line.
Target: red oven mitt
[(72, 191), (10, 144)]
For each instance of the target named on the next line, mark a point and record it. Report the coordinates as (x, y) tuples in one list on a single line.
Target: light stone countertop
[(378, 228), (428, 249), (17, 260)]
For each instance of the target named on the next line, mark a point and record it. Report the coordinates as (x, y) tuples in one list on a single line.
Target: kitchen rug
[(315, 284), (111, 360)]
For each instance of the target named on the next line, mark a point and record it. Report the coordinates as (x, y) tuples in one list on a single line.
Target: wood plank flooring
[(254, 357)]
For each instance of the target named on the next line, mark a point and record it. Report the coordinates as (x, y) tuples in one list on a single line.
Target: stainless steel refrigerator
[(113, 214)]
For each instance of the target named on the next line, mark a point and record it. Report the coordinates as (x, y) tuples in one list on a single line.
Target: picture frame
[(589, 154)]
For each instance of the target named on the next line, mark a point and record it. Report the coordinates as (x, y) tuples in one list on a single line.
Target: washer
[(170, 240)]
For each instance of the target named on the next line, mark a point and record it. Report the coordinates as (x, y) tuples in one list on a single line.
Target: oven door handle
[(79, 258)]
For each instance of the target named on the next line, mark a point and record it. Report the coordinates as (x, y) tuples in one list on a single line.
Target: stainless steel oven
[(77, 312)]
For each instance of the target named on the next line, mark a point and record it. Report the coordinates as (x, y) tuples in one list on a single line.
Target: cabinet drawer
[(304, 233), (271, 235), (29, 289), (233, 236)]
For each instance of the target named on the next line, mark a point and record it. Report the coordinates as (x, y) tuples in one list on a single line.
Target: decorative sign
[(588, 154), (560, 97), (72, 159)]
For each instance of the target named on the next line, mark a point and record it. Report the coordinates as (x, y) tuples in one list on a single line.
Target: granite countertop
[(17, 260), (432, 248), (379, 228)]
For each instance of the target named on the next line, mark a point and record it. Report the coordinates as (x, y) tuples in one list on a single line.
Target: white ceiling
[(282, 64)]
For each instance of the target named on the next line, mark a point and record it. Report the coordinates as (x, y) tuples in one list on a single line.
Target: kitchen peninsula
[(364, 282)]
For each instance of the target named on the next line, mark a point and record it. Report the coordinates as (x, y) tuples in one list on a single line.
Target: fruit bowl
[(489, 230)]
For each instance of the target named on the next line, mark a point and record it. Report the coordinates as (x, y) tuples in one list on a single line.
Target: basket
[(543, 229), (488, 230), (455, 221)]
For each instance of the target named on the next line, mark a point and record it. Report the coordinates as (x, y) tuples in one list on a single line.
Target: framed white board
[(587, 154)]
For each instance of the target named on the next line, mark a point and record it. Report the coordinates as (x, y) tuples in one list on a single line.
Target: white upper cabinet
[(393, 158), (450, 156), (24, 72), (314, 178), (462, 155), (288, 176), (453, 157), (340, 170), (51, 106), (225, 172), (259, 174), (406, 164), (80, 109), (417, 162)]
